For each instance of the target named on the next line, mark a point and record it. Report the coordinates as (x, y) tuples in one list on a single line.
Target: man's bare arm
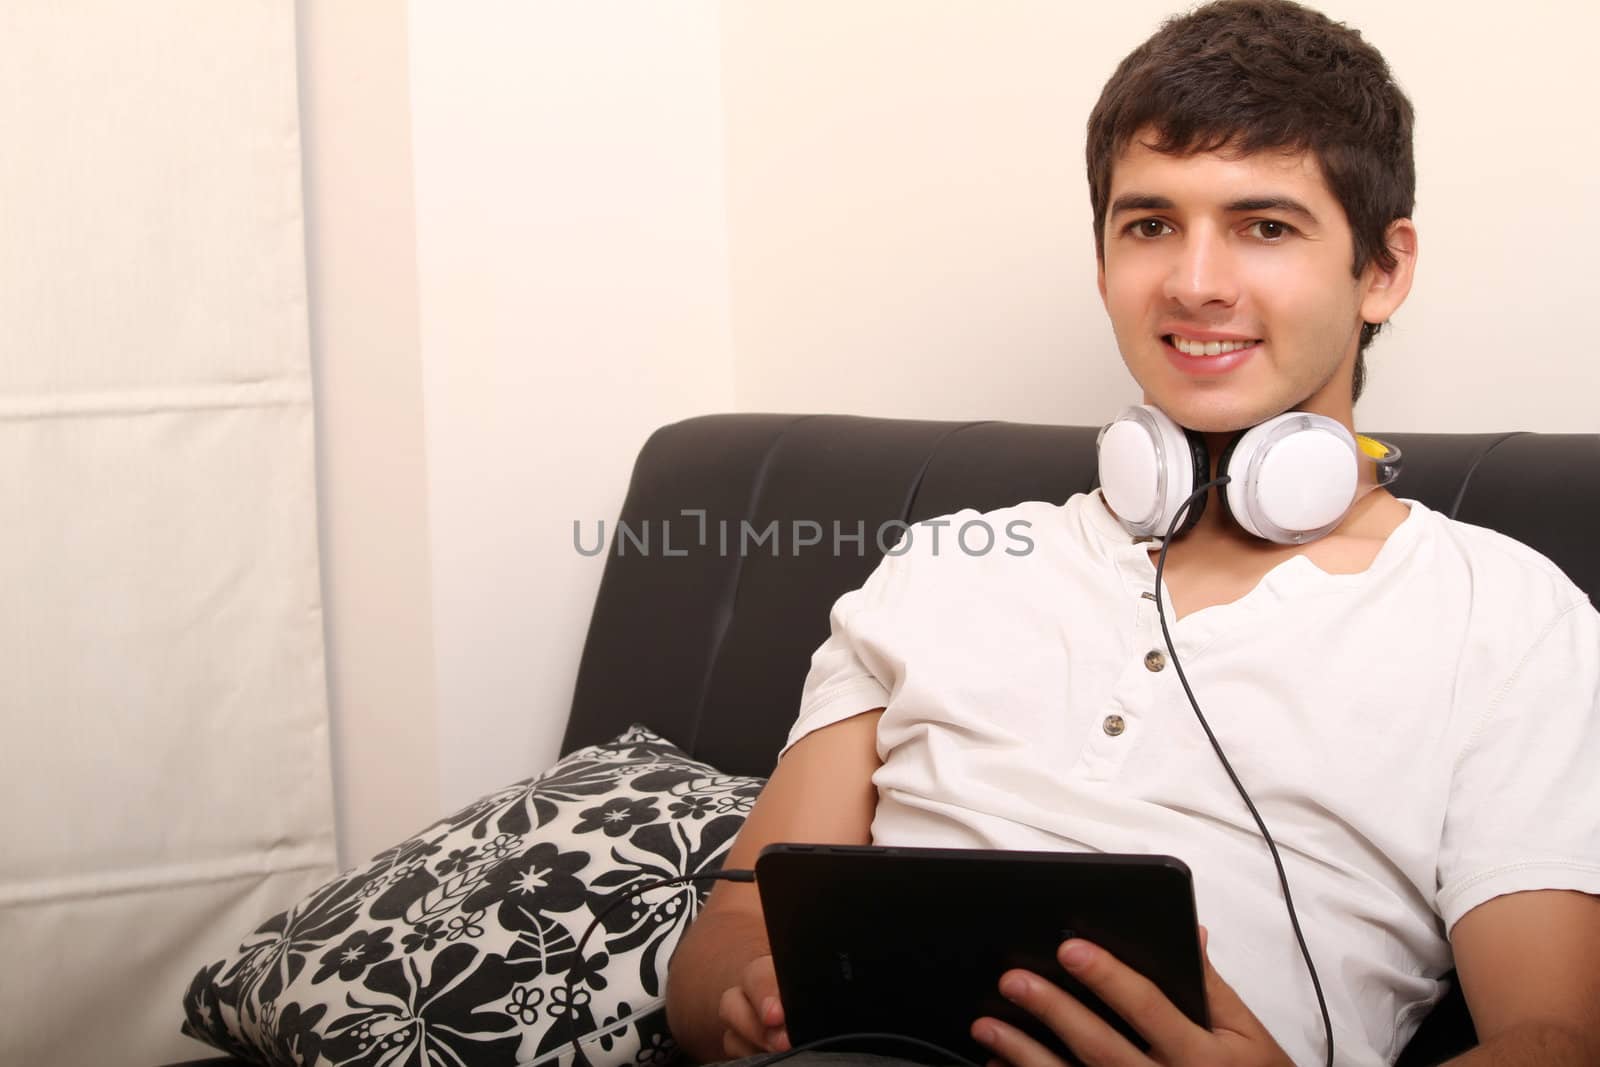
[(820, 792), (1529, 965)]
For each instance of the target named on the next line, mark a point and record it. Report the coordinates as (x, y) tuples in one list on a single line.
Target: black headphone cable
[(1283, 879)]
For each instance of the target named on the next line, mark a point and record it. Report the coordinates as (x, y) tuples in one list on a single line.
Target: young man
[(1413, 703)]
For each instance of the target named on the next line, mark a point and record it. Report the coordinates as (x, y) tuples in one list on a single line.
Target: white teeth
[(1207, 348)]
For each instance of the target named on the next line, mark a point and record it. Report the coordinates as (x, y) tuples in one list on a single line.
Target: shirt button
[(1113, 725), (1155, 659)]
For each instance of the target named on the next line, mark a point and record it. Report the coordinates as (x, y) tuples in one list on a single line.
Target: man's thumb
[(1228, 1011)]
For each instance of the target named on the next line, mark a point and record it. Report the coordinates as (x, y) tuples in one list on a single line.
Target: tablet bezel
[(907, 940)]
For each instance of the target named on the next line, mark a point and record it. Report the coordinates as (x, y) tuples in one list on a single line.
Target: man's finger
[(760, 981), (1135, 998), (1013, 1046), (1222, 1002), (1090, 1037), (1228, 1011), (735, 1047), (738, 1017)]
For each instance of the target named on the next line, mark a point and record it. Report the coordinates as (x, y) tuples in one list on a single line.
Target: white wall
[(571, 250), (908, 209), (887, 202), (361, 257), (1495, 334)]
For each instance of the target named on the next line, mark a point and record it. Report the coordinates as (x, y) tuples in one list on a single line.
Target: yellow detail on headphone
[(1386, 456), (1372, 446)]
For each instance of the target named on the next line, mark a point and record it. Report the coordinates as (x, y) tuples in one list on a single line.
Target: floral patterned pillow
[(456, 946)]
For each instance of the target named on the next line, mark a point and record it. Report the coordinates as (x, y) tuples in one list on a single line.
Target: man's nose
[(1202, 271)]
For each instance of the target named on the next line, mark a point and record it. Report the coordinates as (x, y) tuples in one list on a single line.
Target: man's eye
[(1271, 230), (1149, 227)]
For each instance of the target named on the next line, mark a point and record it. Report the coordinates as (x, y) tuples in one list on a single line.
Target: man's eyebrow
[(1271, 203), (1148, 202), (1140, 202)]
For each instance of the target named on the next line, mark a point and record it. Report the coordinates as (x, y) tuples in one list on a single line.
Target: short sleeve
[(1524, 805), (850, 672)]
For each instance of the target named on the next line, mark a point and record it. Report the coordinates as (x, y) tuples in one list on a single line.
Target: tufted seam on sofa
[(725, 606), (1466, 479)]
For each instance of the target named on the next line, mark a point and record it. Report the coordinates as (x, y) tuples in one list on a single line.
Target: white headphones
[(1292, 478)]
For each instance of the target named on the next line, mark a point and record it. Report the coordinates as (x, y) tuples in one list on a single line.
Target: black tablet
[(913, 941)]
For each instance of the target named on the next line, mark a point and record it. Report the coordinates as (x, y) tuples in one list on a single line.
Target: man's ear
[(1383, 291), (1100, 276)]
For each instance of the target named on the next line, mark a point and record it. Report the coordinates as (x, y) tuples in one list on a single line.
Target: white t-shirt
[(1419, 738)]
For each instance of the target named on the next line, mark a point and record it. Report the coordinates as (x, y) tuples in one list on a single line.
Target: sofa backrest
[(710, 647)]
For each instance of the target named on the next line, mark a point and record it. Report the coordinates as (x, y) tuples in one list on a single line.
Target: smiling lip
[(1207, 366)]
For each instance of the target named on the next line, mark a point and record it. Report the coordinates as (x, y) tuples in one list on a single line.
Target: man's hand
[(752, 1014), (720, 979), (1236, 1037)]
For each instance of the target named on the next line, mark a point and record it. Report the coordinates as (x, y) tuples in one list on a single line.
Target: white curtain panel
[(164, 760)]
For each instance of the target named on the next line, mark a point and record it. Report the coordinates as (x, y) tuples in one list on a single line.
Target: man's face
[(1252, 250)]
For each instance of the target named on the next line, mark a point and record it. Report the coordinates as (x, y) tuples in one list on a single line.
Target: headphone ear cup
[(1292, 479), (1148, 466)]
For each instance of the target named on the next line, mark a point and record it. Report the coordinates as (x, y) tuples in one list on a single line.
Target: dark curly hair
[(1253, 75)]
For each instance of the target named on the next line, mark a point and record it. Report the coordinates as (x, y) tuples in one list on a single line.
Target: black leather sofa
[(709, 647)]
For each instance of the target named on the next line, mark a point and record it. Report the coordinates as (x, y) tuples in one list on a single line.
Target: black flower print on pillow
[(458, 945), (354, 954), (617, 816)]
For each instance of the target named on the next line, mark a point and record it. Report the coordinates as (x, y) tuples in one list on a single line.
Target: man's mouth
[(1207, 348)]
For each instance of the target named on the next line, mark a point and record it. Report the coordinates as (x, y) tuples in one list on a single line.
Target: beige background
[(361, 267)]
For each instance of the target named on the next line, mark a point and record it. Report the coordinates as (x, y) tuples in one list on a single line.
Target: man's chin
[(1214, 418), (1220, 425)]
